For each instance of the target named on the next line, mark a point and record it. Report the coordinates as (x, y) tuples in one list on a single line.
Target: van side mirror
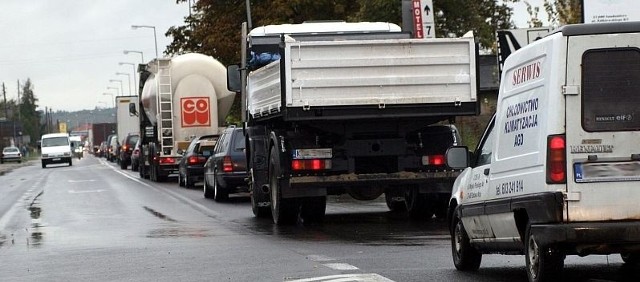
[(457, 157), (132, 109), (234, 80)]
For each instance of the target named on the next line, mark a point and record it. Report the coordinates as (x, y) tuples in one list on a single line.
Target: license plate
[(607, 172), (302, 154), (55, 159)]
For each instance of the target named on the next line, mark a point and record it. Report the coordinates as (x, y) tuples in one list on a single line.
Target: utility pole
[(4, 94)]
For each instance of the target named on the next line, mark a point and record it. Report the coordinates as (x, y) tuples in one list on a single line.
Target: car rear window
[(610, 87), (238, 142), (10, 150)]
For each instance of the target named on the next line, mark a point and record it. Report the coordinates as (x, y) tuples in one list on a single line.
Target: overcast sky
[(70, 49)]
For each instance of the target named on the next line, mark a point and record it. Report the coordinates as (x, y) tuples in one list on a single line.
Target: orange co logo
[(195, 111)]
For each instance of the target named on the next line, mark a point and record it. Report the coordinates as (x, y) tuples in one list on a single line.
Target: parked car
[(10, 154), (191, 166), (225, 171), (135, 156), (128, 143)]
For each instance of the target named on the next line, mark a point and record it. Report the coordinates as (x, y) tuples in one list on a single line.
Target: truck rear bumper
[(397, 178), (584, 238)]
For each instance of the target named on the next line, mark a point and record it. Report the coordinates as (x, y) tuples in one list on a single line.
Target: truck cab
[(556, 170)]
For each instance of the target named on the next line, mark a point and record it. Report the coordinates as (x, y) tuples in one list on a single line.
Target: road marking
[(206, 211), (86, 191), (79, 181), (340, 266), (319, 258), (366, 277)]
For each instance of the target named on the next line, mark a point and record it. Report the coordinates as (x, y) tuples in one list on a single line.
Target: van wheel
[(283, 211), (630, 258), (44, 165), (465, 257), (70, 162), (543, 263)]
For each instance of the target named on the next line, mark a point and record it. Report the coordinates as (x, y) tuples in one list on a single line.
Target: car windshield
[(55, 141)]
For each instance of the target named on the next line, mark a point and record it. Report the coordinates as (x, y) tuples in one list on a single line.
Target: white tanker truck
[(181, 98)]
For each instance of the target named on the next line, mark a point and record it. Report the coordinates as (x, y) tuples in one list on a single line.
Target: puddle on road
[(158, 214), (178, 232), (36, 236)]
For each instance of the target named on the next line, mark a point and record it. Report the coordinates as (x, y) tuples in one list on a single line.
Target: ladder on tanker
[(165, 106)]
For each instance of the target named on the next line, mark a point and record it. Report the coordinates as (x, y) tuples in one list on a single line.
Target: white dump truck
[(181, 98), (337, 107)]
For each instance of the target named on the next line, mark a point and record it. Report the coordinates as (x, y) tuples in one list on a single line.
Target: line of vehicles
[(361, 109)]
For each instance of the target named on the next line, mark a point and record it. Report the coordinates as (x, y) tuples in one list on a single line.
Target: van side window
[(609, 76), (485, 149)]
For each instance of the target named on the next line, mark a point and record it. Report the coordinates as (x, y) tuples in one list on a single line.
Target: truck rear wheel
[(395, 200), (283, 211), (418, 205), (313, 209)]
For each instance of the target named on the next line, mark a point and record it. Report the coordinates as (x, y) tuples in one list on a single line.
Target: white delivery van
[(56, 148), (557, 171)]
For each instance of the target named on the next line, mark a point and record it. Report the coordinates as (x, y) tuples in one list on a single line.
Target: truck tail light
[(437, 160), (227, 164), (125, 147), (313, 164), (556, 159)]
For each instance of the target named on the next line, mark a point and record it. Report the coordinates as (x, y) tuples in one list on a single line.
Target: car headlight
[(67, 154), (45, 155)]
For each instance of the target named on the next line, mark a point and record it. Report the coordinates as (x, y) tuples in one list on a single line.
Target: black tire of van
[(395, 200), (542, 262), (465, 257)]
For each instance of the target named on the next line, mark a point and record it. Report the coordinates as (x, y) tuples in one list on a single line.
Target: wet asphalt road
[(95, 222)]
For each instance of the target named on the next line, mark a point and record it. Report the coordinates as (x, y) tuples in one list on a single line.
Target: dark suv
[(191, 166), (225, 171), (127, 146)]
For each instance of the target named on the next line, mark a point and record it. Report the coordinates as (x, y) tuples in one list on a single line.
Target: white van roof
[(51, 135)]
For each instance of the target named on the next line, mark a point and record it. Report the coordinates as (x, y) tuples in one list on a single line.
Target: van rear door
[(603, 126)]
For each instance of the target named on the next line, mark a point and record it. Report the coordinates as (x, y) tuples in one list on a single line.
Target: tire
[(465, 257), (630, 258), (181, 180), (392, 198), (123, 165), (542, 262), (70, 162), (44, 165), (220, 194), (187, 182), (258, 197), (312, 209), (134, 167), (417, 204), (208, 194), (283, 211)]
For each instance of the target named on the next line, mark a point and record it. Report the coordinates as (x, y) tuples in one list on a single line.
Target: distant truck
[(182, 98), (335, 108), (98, 134), (127, 120)]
